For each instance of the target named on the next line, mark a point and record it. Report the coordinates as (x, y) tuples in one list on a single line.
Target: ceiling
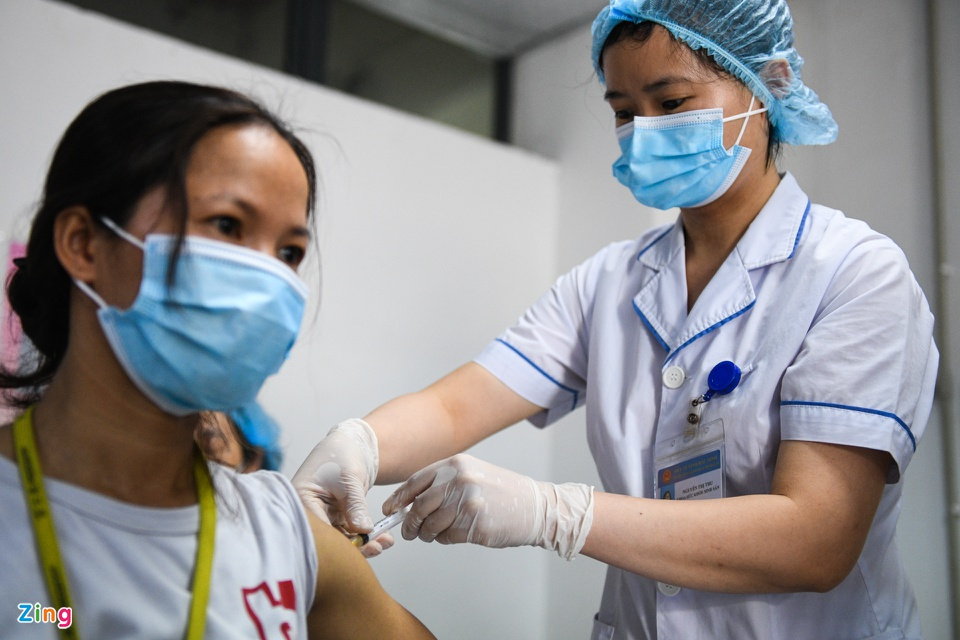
[(494, 28)]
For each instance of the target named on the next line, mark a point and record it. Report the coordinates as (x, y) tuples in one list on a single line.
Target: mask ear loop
[(93, 295), (746, 116), (745, 121), (126, 235), (129, 237)]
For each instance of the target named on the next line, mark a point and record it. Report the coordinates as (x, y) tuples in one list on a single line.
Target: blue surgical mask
[(208, 340), (678, 160)]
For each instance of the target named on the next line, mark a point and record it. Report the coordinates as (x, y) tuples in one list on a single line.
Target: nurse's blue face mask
[(209, 339), (678, 160)]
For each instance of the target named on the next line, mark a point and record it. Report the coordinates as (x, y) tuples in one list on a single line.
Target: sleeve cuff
[(509, 365), (849, 426)]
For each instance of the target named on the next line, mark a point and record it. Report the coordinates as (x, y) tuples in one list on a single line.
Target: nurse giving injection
[(764, 362)]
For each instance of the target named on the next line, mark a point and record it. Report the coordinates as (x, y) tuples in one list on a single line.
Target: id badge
[(691, 466)]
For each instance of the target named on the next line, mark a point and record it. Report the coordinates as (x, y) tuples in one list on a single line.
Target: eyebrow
[(300, 231), (651, 87)]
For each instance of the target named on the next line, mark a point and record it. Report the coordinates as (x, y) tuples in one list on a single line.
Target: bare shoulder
[(349, 601)]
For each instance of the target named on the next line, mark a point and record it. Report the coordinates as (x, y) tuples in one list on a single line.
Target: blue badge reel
[(723, 379)]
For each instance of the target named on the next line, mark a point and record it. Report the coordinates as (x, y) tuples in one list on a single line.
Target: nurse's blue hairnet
[(259, 430), (747, 38)]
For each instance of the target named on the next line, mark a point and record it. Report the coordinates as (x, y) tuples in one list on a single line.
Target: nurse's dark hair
[(640, 32), (122, 145)]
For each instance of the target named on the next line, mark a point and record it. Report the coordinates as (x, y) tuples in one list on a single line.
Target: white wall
[(868, 61), (432, 240)]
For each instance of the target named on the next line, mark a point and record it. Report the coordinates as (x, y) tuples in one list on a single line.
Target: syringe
[(381, 527)]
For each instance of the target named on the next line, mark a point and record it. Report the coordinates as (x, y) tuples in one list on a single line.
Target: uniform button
[(667, 589), (673, 377)]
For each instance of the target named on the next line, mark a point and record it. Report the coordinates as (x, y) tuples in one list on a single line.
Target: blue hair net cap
[(749, 38), (260, 430)]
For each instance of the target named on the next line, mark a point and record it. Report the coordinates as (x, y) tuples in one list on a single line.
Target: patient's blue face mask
[(209, 340), (678, 160)]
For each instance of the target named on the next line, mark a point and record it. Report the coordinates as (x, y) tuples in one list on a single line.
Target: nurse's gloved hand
[(463, 499), (334, 479)]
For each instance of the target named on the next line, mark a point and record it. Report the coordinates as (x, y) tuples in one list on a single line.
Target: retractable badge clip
[(723, 379)]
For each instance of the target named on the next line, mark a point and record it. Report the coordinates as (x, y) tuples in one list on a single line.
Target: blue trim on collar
[(576, 394), (709, 329), (876, 412), (649, 326), (655, 241), (803, 222)]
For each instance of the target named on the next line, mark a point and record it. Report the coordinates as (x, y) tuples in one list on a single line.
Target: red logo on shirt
[(270, 613)]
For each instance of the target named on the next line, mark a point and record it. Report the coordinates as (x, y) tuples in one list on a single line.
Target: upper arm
[(479, 403), (855, 399), (834, 492), (865, 372), (349, 601)]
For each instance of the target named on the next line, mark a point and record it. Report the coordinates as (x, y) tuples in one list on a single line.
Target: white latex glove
[(334, 480), (463, 499)]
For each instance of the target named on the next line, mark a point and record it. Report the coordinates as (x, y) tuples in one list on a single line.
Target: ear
[(778, 77), (74, 241)]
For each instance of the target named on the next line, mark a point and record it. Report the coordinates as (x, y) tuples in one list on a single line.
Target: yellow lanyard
[(32, 477)]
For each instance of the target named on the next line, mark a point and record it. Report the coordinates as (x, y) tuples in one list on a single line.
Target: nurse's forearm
[(412, 431), (805, 536), (448, 417), (735, 545)]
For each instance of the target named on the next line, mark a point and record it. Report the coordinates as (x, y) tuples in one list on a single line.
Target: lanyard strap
[(32, 478), (203, 567), (31, 475)]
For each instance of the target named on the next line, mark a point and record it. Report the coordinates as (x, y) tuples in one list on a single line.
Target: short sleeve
[(543, 357), (866, 370)]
